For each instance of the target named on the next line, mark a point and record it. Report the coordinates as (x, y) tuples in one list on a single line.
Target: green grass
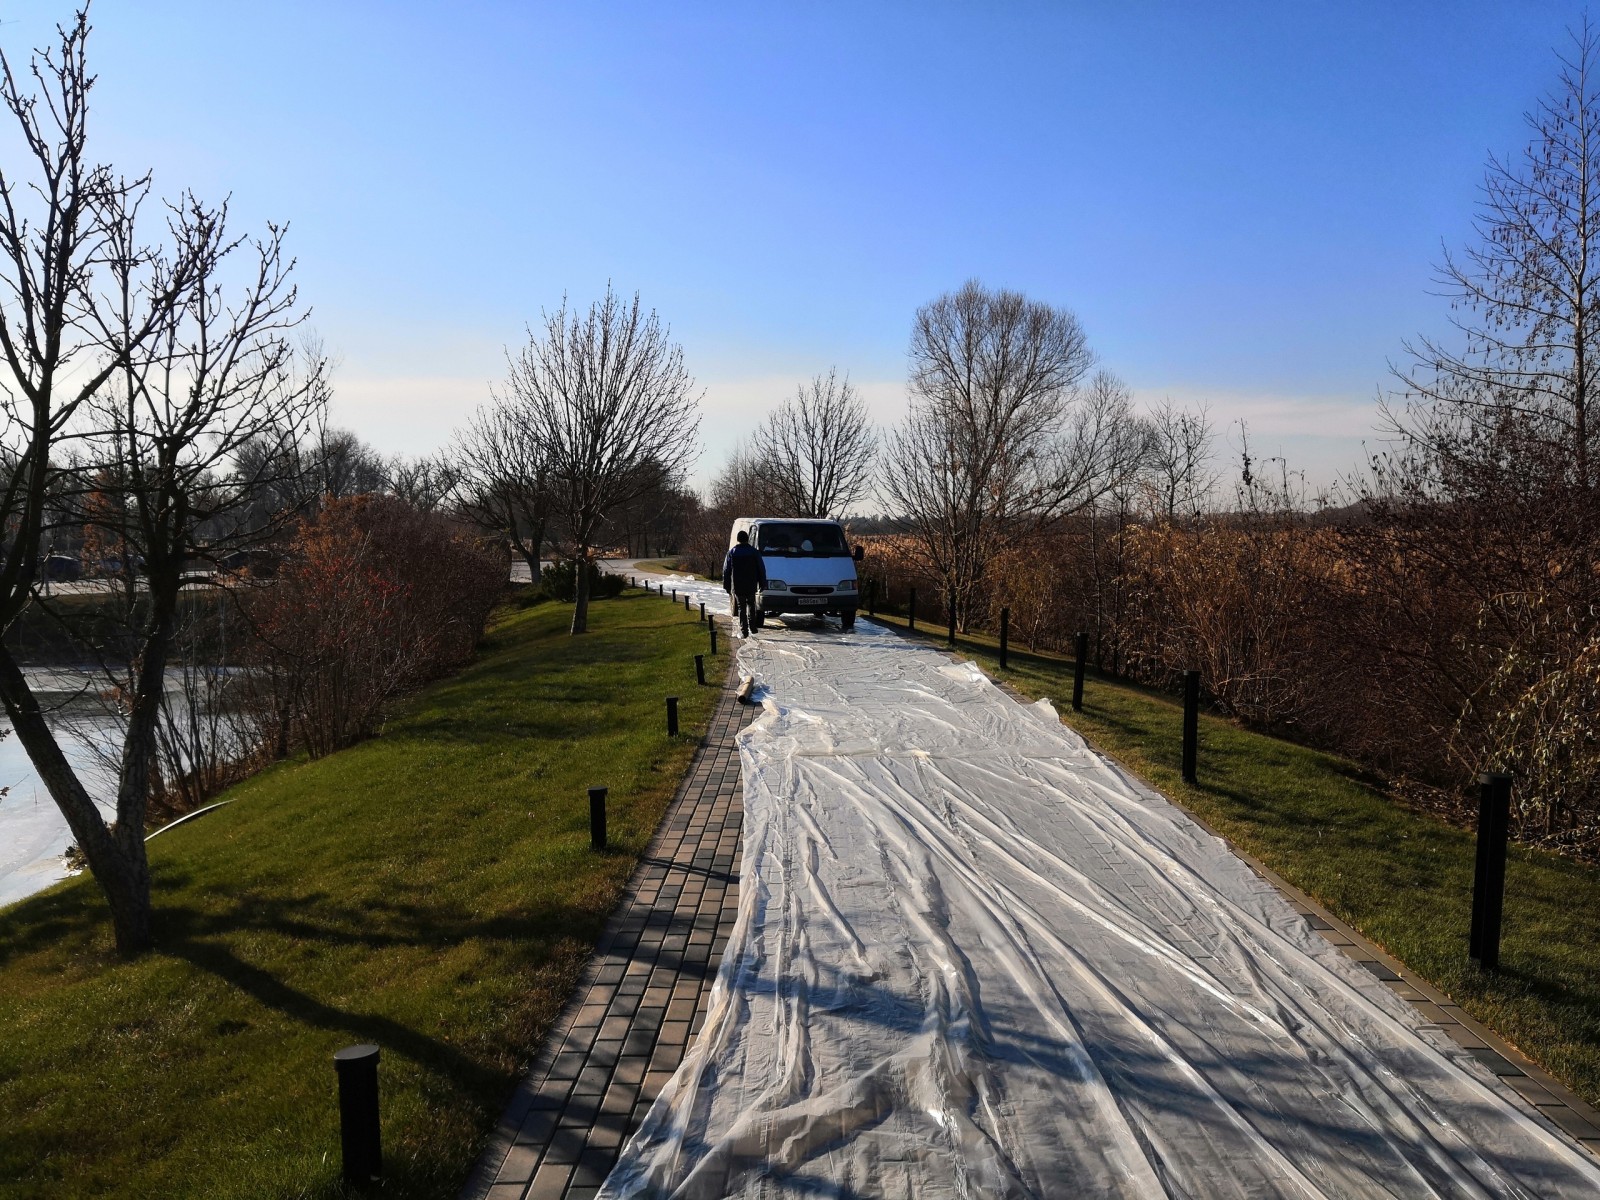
[(1403, 878), (432, 891)]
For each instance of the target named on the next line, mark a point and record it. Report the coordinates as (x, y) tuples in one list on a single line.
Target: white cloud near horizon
[(1324, 436), (411, 416)]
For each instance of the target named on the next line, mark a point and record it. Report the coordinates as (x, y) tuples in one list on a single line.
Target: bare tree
[(1006, 434), (745, 485), (610, 401), (1527, 299), (134, 355), (1178, 458), (347, 466), (818, 448), (425, 482), (502, 477)]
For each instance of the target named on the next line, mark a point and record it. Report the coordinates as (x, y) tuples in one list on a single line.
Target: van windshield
[(802, 539)]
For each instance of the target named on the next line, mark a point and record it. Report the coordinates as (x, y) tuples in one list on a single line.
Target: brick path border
[(643, 995)]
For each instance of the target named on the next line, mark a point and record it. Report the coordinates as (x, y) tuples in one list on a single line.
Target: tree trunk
[(531, 548), (580, 609), (117, 862)]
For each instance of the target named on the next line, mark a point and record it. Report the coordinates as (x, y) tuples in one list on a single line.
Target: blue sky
[(1243, 203)]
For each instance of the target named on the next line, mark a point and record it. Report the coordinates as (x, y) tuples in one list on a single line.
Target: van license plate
[(818, 601)]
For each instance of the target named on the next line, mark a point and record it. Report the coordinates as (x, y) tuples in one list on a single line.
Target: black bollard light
[(1005, 634), (1081, 651), (672, 716), (713, 637), (1489, 879), (702, 612), (872, 597), (1191, 725), (674, 595), (359, 1137), (700, 669), (952, 607), (911, 610), (597, 818)]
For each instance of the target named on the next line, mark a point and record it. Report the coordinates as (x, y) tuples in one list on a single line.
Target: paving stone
[(520, 1163), (565, 1145), (594, 1166), (1464, 1037), (1531, 1091), (620, 1098), (537, 1126), (1569, 1120), (630, 1071), (580, 1110), (641, 1040), (551, 1182), (1497, 1063), (654, 1081), (592, 1081)]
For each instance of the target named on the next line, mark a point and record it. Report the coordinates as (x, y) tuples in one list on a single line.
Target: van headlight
[(777, 585), (847, 585)]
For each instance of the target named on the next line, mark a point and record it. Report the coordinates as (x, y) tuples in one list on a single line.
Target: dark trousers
[(745, 605)]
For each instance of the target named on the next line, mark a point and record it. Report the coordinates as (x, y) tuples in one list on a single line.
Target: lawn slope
[(431, 891)]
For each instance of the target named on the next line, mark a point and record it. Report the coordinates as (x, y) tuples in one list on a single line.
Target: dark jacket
[(744, 571)]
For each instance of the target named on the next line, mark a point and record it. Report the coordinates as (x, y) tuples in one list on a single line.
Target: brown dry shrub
[(374, 599)]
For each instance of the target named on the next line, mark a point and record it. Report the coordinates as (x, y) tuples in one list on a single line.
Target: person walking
[(743, 571)]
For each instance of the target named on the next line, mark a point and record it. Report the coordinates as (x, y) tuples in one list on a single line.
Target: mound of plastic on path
[(973, 960)]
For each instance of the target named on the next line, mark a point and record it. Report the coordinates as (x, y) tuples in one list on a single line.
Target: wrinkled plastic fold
[(974, 959)]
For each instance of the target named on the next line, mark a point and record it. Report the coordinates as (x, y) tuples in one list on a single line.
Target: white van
[(811, 568)]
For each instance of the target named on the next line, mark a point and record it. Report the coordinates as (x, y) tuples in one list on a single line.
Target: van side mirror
[(860, 552)]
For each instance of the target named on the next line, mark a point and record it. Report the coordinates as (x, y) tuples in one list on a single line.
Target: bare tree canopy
[(502, 476), (1007, 432), (1178, 460), (744, 486), (1527, 298), (608, 397), (136, 372), (818, 448)]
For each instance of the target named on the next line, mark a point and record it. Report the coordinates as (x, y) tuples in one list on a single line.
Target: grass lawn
[(1403, 878), (431, 891)]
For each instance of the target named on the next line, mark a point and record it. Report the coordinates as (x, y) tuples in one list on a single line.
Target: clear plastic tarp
[(975, 959)]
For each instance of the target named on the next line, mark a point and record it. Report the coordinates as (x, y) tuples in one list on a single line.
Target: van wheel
[(847, 621), (757, 619)]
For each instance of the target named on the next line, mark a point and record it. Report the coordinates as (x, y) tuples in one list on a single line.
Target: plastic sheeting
[(972, 958), (698, 590)]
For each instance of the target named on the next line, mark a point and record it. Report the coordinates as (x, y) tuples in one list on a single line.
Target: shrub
[(374, 599), (559, 581)]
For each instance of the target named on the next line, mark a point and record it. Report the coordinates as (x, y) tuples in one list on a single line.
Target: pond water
[(33, 833)]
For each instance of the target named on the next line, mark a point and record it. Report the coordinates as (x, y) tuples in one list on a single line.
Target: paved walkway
[(1537, 1086), (643, 997), (1530, 1081)]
